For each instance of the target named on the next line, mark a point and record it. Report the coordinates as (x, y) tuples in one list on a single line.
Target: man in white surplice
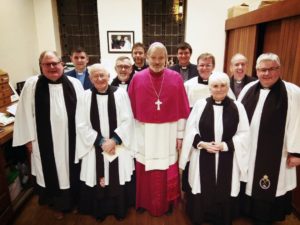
[(45, 123), (272, 105), (104, 125)]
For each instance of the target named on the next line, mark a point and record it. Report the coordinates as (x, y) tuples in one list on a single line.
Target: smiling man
[(124, 69), (160, 107), (45, 123), (184, 66), (239, 77), (273, 108), (80, 60)]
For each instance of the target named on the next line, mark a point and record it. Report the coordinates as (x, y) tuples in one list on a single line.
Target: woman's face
[(219, 91), (205, 68)]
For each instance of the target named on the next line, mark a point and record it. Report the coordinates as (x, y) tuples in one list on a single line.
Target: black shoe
[(258, 222), (100, 218), (119, 218), (140, 210), (170, 210)]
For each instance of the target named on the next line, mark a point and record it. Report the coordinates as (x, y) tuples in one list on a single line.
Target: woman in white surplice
[(216, 144), (107, 169)]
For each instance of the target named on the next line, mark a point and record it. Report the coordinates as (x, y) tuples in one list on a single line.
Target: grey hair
[(218, 78), (96, 67), (267, 57), (238, 56), (158, 45)]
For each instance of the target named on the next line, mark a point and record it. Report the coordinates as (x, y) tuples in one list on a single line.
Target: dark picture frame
[(120, 41)]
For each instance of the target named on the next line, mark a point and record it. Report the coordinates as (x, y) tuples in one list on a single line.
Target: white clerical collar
[(238, 81)]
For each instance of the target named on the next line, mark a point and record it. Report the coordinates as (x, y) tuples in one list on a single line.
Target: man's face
[(138, 55), (52, 66), (80, 60), (239, 68), (183, 56), (268, 72), (205, 68), (157, 60), (100, 79), (123, 69)]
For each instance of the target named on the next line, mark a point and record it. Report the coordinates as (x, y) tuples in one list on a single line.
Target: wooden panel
[(244, 41), (289, 46), (279, 10), (271, 37)]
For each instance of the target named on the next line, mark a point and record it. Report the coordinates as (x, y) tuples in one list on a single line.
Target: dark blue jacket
[(87, 84)]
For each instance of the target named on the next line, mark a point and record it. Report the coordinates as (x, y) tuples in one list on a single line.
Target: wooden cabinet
[(6, 210), (274, 28), (9, 206)]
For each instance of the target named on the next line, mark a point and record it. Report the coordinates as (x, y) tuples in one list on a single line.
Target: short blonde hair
[(218, 78)]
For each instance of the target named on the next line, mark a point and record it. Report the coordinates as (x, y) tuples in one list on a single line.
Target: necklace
[(157, 102)]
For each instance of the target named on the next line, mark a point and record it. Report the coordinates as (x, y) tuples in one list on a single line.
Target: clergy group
[(142, 140)]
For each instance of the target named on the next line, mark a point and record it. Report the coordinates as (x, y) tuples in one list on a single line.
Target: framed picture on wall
[(120, 41)]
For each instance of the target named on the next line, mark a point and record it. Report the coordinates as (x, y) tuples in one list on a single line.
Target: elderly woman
[(104, 125), (215, 142)]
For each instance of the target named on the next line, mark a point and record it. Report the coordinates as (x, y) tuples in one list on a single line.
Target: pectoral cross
[(158, 103)]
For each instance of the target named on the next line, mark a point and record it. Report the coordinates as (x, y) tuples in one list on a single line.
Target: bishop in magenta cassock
[(160, 107)]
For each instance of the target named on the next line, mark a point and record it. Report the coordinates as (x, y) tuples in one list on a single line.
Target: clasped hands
[(109, 146), (212, 147)]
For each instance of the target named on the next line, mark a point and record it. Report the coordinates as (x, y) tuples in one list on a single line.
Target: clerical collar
[(217, 102), (80, 73), (183, 67), (201, 81), (238, 81), (102, 93), (58, 81)]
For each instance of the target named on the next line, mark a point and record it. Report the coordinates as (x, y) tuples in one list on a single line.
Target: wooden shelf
[(276, 11)]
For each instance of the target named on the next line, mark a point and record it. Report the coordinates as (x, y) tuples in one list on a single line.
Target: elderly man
[(238, 69), (80, 60), (273, 108), (160, 107), (105, 123), (124, 69), (184, 66), (45, 122)]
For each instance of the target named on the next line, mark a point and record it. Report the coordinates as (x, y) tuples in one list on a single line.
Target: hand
[(212, 147), (29, 147), (102, 182), (178, 145), (292, 161), (109, 146)]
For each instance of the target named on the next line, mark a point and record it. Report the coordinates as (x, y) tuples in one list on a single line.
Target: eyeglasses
[(53, 64), (126, 67), (271, 69), (205, 65)]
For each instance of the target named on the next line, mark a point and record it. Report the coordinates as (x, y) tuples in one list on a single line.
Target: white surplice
[(196, 91), (87, 136), (287, 176), (240, 141), (156, 143), (25, 128)]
